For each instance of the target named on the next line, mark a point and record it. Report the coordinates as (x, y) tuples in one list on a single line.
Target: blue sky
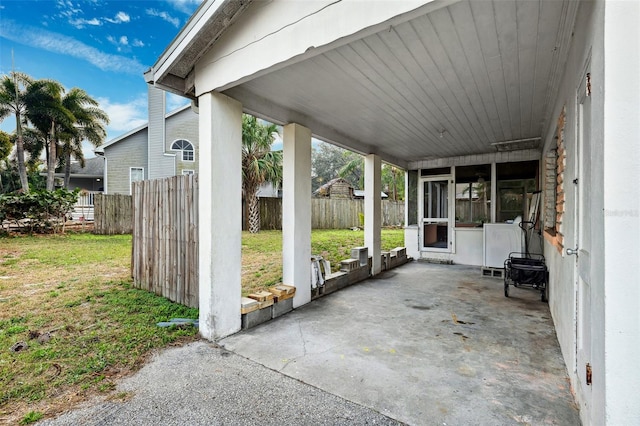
[(102, 47)]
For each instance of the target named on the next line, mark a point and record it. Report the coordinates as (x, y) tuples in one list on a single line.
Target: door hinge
[(588, 84), (589, 373)]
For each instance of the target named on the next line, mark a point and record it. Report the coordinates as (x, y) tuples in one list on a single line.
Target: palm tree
[(353, 170), (5, 150), (259, 165), (51, 117), (14, 96), (393, 180), (89, 124)]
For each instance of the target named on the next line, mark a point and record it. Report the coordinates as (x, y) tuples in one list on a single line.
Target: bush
[(38, 211)]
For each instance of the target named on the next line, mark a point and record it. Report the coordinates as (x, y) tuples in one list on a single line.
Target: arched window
[(186, 148)]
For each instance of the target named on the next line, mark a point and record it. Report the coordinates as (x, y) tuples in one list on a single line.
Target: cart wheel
[(506, 287)]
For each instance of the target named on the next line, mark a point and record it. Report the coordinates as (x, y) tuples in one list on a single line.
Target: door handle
[(571, 252)]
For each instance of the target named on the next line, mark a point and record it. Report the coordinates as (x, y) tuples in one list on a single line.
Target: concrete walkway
[(422, 344)]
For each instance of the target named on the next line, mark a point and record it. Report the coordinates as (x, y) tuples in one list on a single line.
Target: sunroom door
[(436, 227)]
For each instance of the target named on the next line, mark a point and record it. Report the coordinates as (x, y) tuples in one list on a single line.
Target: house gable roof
[(93, 168), (140, 128)]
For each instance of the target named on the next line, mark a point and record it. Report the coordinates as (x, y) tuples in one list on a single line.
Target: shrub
[(38, 211)]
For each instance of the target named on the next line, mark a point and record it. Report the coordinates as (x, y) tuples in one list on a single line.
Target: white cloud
[(124, 117), (81, 22), (67, 9), (185, 6), (120, 18), (124, 40), (174, 101), (164, 15), (137, 43), (58, 43)]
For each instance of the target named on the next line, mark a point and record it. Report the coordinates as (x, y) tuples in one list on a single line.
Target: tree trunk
[(395, 184), (51, 161), (254, 212), (22, 169), (67, 169)]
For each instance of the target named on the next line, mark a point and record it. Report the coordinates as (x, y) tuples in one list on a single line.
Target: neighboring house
[(527, 95), (268, 190), (166, 146), (88, 178), (341, 188), (358, 194), (335, 188)]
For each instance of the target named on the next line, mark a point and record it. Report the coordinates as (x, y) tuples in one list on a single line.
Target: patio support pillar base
[(372, 210), (296, 211), (220, 215)]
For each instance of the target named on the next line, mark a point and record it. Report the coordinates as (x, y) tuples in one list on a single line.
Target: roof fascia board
[(124, 136), (186, 36), (144, 126), (192, 42)]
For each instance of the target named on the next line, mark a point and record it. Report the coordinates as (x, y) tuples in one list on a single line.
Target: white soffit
[(450, 82)]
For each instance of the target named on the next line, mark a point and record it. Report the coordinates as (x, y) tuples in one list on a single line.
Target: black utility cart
[(526, 269)]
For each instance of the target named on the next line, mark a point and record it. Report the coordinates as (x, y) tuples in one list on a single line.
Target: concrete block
[(330, 286), (281, 308), (492, 272), (399, 251), (359, 274), (255, 318), (348, 265), (361, 254), (339, 279)]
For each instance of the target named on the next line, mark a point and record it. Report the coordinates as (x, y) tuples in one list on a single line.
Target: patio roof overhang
[(425, 80)]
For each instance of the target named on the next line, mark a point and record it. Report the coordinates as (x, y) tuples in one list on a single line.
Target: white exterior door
[(583, 242), (436, 223)]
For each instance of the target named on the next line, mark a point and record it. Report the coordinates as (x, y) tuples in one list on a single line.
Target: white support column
[(296, 211), (616, 323), (372, 209), (494, 191), (220, 215)]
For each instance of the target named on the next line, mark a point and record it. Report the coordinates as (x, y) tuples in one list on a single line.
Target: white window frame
[(191, 151), (188, 172), (131, 169)]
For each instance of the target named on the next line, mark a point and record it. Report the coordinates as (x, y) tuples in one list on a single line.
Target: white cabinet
[(500, 239)]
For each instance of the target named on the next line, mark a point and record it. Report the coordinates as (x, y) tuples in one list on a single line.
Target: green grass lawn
[(77, 288), (262, 252)]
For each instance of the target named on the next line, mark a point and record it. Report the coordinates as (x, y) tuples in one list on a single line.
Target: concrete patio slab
[(425, 344)]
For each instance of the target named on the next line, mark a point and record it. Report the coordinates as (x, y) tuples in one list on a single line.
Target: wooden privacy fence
[(331, 213), (112, 214), (164, 256)]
